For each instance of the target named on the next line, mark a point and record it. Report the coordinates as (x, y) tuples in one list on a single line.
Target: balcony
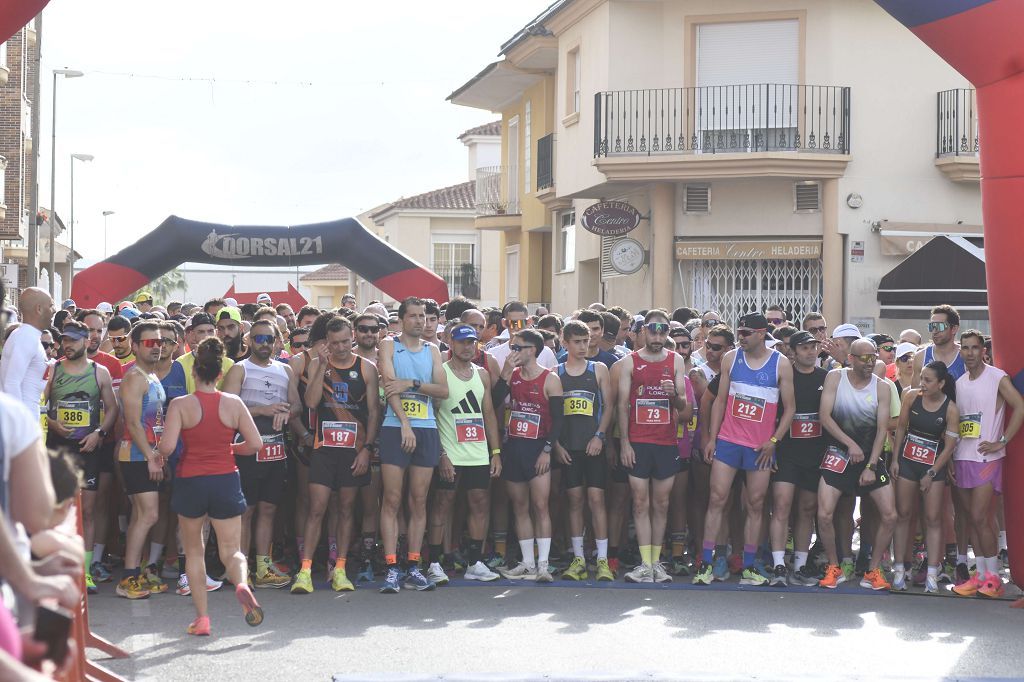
[(462, 279), (754, 130), (956, 139), (497, 198)]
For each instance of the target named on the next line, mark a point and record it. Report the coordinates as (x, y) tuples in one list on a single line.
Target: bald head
[(863, 347), (36, 307)]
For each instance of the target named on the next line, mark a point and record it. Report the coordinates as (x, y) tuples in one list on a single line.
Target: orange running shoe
[(200, 627), (874, 580), (969, 588), (833, 576), (992, 587), (250, 607)]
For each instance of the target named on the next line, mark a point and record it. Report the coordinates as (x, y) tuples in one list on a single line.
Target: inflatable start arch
[(178, 241)]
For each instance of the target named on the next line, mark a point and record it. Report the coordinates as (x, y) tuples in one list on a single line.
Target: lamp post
[(106, 214), (67, 73), (71, 256)]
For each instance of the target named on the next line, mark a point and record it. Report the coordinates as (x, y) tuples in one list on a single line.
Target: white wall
[(482, 152)]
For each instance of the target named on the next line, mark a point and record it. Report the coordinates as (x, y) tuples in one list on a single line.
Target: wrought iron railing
[(723, 119), (957, 132), (546, 162), (497, 190), (462, 279)]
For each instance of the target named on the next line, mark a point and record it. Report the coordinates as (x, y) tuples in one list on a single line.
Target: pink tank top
[(982, 414), (753, 401)]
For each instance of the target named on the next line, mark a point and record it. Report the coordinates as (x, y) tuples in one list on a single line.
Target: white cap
[(904, 348), (770, 341), (231, 302), (264, 297), (104, 307), (845, 331)]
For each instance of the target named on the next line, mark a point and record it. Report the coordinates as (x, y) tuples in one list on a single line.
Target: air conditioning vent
[(697, 199), (607, 244), (806, 197)]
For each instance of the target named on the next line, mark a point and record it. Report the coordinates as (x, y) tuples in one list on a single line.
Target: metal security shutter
[(607, 244), (748, 52), (736, 287)]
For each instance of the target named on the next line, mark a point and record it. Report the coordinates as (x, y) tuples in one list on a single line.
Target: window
[(573, 82), (527, 152), (567, 242), (512, 273), (325, 302), (453, 259)]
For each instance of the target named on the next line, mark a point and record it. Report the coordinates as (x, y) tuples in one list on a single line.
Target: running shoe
[(200, 626), (577, 569), (681, 566), (303, 583), (833, 576), (494, 560), (862, 563), (848, 569), (735, 563), (340, 582), (805, 577), (366, 575), (391, 582), (479, 571), (90, 586), (779, 577), (150, 577), (184, 590), (420, 582), (99, 572), (604, 571), (613, 564), (947, 572), (931, 584), (436, 574), (762, 569), (963, 574), (271, 580), (992, 587), (721, 570), (129, 588), (752, 576), (520, 572), (874, 580), (970, 587), (544, 573), (659, 573), (705, 575), (250, 607), (899, 581), (169, 571), (641, 574)]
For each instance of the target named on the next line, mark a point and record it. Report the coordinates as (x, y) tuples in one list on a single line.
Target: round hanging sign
[(610, 218)]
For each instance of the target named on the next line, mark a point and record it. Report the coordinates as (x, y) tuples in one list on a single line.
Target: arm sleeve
[(15, 365), (498, 393), (556, 405)]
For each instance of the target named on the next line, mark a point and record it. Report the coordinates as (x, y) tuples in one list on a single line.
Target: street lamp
[(105, 215), (67, 73), (71, 256)]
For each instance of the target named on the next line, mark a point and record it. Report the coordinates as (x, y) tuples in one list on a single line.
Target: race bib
[(835, 460), (970, 425), (805, 425), (470, 430), (921, 450), (580, 403), (414, 405), (73, 413), (524, 425), (272, 450), (338, 434), (652, 411), (748, 408)]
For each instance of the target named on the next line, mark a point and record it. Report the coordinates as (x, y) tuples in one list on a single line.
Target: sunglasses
[(867, 358), (366, 329), (517, 348), (150, 343), (776, 320), (817, 330), (262, 339), (47, 346), (906, 358), (517, 324), (938, 326), (710, 323), (887, 349), (301, 344), (169, 342), (716, 347), (682, 344), (657, 327), (118, 339), (744, 333)]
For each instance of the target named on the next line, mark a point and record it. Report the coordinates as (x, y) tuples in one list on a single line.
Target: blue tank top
[(410, 365), (151, 418), (957, 369)]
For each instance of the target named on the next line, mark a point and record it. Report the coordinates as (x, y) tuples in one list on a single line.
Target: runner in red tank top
[(651, 388)]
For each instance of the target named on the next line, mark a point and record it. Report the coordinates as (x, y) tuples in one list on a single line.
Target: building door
[(512, 273), (737, 287)]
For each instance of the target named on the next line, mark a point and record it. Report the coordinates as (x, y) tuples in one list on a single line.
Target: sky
[(257, 112)]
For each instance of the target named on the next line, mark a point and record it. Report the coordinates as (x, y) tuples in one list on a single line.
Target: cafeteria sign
[(611, 218), (752, 250)]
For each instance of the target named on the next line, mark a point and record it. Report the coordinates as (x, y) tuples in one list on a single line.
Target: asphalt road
[(512, 631)]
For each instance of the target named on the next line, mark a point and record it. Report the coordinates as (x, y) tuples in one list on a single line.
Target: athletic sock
[(779, 558), (799, 560), (130, 573), (414, 560), (933, 571), (951, 549), (1002, 539), (262, 565), (721, 551), (707, 551), (339, 564), (332, 549), (543, 550), (990, 565), (499, 543), (97, 552), (655, 553), (391, 560), (526, 546), (602, 548), (307, 565), (613, 552), (155, 550), (88, 561), (678, 544), (961, 559), (748, 555), (436, 553), (181, 563), (473, 550), (122, 523), (577, 546)]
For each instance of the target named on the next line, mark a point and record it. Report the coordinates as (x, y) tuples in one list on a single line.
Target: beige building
[(781, 151)]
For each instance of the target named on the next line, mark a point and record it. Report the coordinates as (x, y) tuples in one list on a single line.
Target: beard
[(233, 345)]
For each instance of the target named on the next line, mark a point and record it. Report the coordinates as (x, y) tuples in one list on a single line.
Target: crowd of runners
[(402, 448)]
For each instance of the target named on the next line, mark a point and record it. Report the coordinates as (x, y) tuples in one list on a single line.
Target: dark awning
[(945, 270)]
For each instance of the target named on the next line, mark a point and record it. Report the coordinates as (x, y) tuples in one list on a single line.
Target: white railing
[(497, 190)]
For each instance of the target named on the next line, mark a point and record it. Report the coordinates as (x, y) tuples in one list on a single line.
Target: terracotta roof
[(334, 271), (456, 197), (492, 128)]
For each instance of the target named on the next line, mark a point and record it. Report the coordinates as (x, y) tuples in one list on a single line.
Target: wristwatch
[(774, 440), (932, 473), (870, 466), (103, 434), (547, 447), (416, 383), (600, 436)]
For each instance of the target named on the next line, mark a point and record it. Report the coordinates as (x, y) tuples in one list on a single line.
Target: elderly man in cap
[(264, 299), (70, 306)]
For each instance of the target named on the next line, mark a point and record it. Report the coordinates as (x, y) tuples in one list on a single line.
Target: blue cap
[(130, 313), (68, 303), (463, 332)]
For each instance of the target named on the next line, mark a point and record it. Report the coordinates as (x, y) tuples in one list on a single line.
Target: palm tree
[(163, 287)]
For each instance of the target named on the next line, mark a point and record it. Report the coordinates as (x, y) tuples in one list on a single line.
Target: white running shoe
[(931, 584), (520, 572), (479, 571), (436, 574), (641, 574), (543, 574), (659, 573)]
